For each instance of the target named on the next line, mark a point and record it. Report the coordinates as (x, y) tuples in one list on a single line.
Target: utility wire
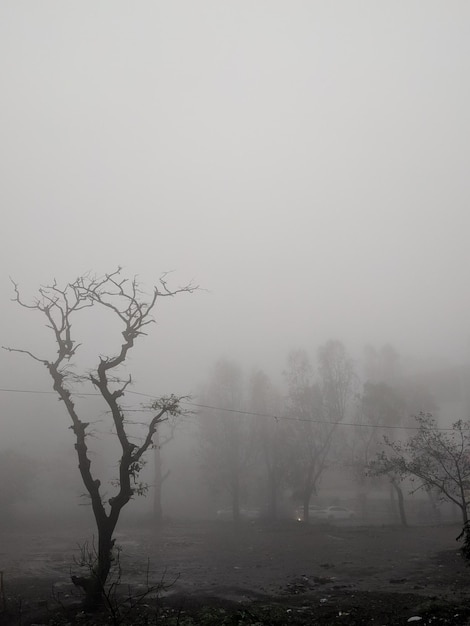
[(25, 391), (306, 419), (238, 411)]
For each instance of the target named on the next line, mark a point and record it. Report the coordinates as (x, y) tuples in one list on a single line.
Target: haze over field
[(287, 182), (305, 162)]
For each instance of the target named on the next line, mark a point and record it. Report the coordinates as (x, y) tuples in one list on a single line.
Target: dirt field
[(254, 573)]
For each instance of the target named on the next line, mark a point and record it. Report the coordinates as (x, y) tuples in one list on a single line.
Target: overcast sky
[(305, 162)]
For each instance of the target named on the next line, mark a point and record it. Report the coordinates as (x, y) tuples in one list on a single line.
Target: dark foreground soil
[(218, 573)]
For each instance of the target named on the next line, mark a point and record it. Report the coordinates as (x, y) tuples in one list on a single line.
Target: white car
[(313, 511), (245, 514), (332, 513)]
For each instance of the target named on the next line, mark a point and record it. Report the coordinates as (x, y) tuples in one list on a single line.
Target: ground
[(220, 573)]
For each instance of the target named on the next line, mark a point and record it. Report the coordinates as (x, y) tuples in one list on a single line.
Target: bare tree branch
[(440, 460), (128, 303)]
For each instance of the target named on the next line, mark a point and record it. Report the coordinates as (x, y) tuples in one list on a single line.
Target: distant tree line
[(261, 443)]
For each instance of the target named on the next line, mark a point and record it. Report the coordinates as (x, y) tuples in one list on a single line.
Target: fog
[(305, 163)]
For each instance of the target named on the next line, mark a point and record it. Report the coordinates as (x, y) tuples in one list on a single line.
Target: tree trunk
[(236, 501), (95, 583), (392, 505), (306, 505), (105, 557), (401, 502), (272, 513), (157, 494), (463, 508), (436, 511)]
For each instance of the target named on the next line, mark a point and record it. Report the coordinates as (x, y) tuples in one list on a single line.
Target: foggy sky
[(305, 162)]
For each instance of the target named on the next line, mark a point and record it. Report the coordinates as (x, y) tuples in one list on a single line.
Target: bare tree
[(318, 407), (383, 466), (125, 301), (382, 365), (380, 405), (307, 436), (226, 447), (337, 377), (438, 460), (269, 435)]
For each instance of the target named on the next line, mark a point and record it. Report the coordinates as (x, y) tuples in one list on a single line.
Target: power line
[(34, 391), (74, 393), (306, 419), (238, 411)]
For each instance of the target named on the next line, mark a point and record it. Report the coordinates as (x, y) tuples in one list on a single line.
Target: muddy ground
[(251, 573)]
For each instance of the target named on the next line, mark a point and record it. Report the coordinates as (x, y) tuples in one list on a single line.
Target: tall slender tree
[(317, 406), (270, 437), (226, 444), (379, 406)]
